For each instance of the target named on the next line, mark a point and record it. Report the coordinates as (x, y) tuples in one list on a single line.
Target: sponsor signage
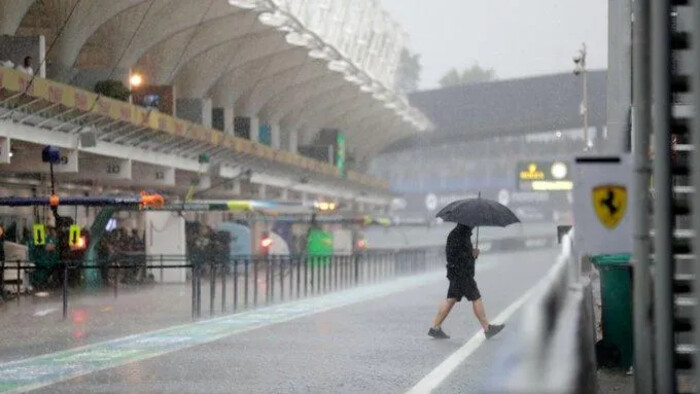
[(544, 176)]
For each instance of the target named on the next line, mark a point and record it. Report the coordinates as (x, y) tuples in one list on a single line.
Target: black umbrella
[(477, 212)]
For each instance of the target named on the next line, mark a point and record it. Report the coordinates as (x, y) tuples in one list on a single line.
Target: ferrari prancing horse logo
[(610, 204)]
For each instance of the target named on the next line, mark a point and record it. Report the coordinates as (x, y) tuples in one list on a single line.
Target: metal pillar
[(695, 178), (619, 90), (641, 134), (663, 225)]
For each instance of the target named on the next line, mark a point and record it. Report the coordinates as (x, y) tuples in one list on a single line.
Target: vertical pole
[(212, 287), (116, 280), (336, 261), (199, 291), (235, 285), (271, 275), (19, 280), (313, 281), (255, 282), (325, 275), (695, 177), (246, 262), (290, 261), (642, 242), (298, 260), (663, 245), (619, 86), (357, 270), (223, 287), (194, 292), (306, 276), (282, 265), (65, 290)]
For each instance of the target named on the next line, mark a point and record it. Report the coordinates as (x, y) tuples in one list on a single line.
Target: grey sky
[(517, 38)]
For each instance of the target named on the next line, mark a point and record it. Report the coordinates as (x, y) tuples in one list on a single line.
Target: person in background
[(138, 249), (26, 67)]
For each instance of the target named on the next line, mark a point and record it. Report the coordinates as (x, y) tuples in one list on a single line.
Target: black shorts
[(464, 287)]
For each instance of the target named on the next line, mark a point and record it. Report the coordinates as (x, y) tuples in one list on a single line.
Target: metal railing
[(237, 282), (554, 349)]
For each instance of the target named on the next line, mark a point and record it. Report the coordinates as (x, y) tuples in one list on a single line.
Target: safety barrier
[(239, 282), (553, 350)]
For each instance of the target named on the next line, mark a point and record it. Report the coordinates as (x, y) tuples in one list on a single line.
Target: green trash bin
[(616, 349)]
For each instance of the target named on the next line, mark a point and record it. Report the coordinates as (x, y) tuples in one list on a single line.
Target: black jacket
[(459, 252)]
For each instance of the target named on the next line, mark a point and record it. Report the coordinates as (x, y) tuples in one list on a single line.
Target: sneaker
[(493, 330), (437, 333)]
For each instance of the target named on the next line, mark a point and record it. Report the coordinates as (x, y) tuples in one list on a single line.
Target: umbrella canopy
[(478, 212)]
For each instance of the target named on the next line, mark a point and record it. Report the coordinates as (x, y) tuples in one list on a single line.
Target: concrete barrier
[(553, 349)]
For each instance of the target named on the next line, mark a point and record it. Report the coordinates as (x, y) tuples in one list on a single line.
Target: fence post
[(19, 280), (224, 267), (271, 279), (313, 281), (65, 290), (199, 290), (116, 282), (281, 260), (194, 291), (235, 285), (326, 265), (246, 264), (212, 287), (335, 273), (161, 268), (306, 276), (357, 269), (255, 282)]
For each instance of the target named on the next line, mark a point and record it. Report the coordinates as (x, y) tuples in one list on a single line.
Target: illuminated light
[(266, 243), (80, 316), (152, 200), (552, 186), (136, 80), (239, 206), (532, 173), (11, 154), (559, 170), (81, 244), (384, 222), (325, 206), (361, 244)]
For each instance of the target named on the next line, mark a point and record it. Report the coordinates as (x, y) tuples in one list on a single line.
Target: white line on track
[(438, 375)]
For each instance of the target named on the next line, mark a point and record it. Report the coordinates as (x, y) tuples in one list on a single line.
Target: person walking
[(461, 256)]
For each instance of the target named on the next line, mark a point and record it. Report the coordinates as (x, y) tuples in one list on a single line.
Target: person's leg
[(480, 313), (443, 311)]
